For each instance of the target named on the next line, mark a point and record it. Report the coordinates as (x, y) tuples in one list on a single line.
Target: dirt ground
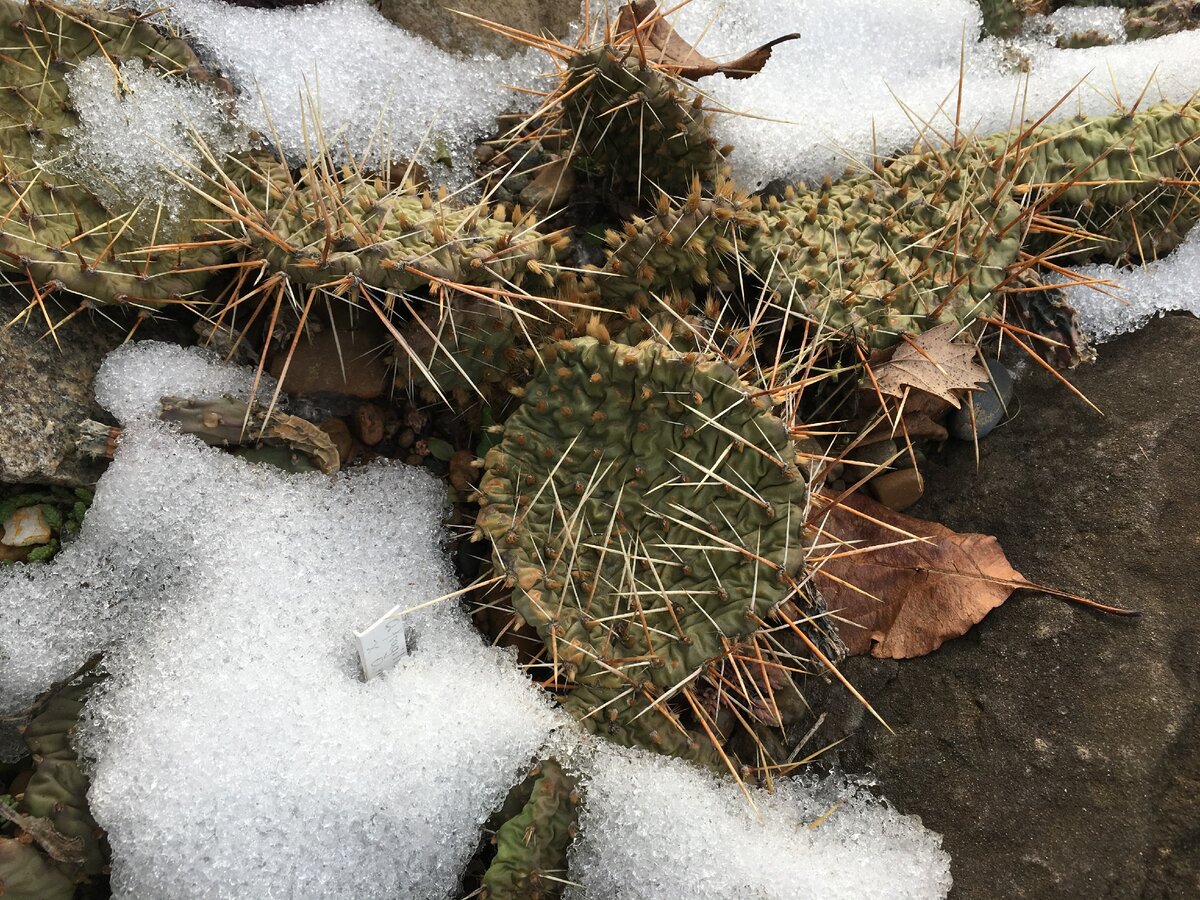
[(1057, 749)]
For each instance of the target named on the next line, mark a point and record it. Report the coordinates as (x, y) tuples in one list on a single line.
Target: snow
[(237, 751), (1106, 21), (139, 133), (131, 380), (377, 91), (655, 828), (893, 65), (867, 75), (1135, 296)]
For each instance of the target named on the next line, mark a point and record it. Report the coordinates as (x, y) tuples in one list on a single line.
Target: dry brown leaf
[(932, 363), (906, 599), (642, 23)]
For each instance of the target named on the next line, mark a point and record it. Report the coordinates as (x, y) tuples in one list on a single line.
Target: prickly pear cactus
[(1127, 178), (49, 841), (465, 289), (610, 708), (660, 260), (56, 233), (639, 130), (531, 847), (646, 508), (926, 240)]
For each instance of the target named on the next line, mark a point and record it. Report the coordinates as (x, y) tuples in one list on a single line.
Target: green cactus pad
[(623, 714), (55, 801), (645, 507), (924, 241), (688, 244), (465, 289), (1125, 178), (639, 130), (533, 844), (56, 232)]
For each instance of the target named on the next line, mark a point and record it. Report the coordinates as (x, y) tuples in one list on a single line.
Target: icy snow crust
[(866, 76), (870, 73), (655, 828), (1132, 297), (130, 137), (378, 92), (237, 754)]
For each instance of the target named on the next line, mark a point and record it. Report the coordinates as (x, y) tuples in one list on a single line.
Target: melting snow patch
[(237, 751), (138, 130), (1138, 295), (377, 91), (869, 74), (656, 828)]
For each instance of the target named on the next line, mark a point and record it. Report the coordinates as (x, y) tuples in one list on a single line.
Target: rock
[(1058, 749), (463, 473), (990, 406), (339, 360), (880, 453), (898, 490), (339, 433), (432, 20), (26, 527), (552, 187), (368, 423), (45, 390)]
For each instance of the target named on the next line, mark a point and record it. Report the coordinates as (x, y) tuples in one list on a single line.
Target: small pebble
[(26, 527), (990, 407), (898, 490), (368, 423)]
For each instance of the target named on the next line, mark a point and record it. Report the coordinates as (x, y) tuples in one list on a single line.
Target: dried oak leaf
[(932, 363), (900, 597), (642, 23)]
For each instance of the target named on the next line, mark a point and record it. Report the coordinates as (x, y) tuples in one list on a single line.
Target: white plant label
[(381, 645)]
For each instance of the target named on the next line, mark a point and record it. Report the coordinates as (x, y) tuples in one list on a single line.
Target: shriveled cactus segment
[(531, 847), (646, 508), (229, 422)]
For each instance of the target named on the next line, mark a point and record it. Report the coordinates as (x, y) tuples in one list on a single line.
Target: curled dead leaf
[(642, 23), (934, 363), (901, 587)]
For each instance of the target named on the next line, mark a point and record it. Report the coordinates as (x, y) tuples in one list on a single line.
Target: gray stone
[(1058, 749), (45, 391), (990, 406), (433, 20)]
